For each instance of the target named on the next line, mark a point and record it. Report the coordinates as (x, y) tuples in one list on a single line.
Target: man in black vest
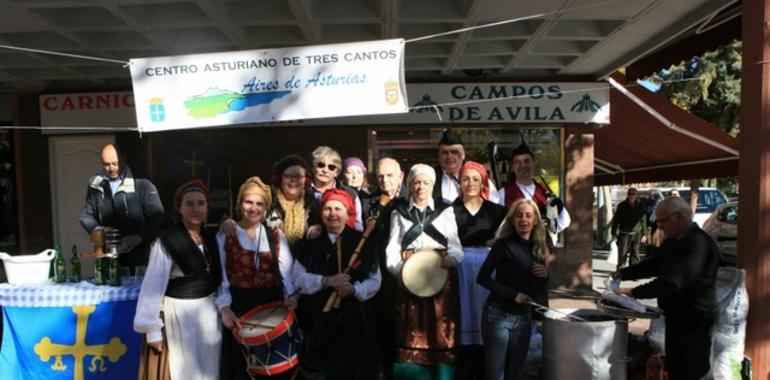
[(131, 205)]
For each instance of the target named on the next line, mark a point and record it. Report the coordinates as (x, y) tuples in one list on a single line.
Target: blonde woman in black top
[(517, 258)]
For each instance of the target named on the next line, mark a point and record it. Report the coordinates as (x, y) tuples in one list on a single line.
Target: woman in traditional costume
[(340, 343), (426, 328), (182, 291), (517, 258), (478, 220), (258, 264)]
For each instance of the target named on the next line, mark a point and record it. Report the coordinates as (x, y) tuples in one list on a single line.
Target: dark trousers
[(688, 352), (628, 249)]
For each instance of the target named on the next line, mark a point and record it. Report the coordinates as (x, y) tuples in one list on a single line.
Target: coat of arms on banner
[(391, 92), (157, 110)]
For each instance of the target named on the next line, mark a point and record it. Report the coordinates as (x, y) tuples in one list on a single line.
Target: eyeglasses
[(666, 219), (322, 165)]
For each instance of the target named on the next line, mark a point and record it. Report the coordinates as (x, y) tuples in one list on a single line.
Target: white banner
[(202, 90)]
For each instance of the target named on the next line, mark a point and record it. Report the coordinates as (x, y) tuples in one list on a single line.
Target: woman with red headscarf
[(477, 221), (339, 344)]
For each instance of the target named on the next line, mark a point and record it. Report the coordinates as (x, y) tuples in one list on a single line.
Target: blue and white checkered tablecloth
[(61, 295)]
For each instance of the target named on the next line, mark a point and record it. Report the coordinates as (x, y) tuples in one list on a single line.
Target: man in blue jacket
[(117, 200)]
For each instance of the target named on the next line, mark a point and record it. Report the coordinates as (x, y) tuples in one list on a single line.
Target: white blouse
[(399, 225), (150, 303)]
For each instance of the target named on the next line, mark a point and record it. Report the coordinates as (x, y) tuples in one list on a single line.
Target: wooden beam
[(754, 224)]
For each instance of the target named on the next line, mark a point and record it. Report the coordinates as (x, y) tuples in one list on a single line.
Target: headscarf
[(254, 185), (347, 201), (484, 176), (354, 161), (420, 169), (195, 185)]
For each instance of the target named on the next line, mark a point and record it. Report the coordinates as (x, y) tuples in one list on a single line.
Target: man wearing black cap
[(521, 184), (451, 156)]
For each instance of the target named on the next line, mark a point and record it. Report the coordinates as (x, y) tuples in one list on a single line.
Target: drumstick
[(255, 324)]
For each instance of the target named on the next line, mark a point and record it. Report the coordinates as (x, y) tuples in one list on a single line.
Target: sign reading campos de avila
[(258, 86)]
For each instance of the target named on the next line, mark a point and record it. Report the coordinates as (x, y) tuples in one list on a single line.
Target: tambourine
[(422, 273)]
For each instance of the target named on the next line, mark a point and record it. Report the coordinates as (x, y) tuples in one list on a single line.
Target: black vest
[(196, 282), (427, 225)]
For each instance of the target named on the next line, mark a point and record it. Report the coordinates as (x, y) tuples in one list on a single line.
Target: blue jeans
[(506, 342)]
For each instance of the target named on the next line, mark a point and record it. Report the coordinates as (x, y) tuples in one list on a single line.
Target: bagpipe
[(355, 259)]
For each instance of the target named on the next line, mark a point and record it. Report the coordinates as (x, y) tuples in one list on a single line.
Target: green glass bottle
[(99, 271), (114, 272), (60, 267), (75, 275)]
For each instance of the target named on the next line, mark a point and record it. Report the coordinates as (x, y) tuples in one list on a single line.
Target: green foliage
[(708, 86)]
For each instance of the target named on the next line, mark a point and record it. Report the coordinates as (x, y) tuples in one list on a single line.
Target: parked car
[(709, 199), (722, 226)]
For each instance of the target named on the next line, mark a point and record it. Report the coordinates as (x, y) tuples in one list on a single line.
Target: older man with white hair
[(685, 270)]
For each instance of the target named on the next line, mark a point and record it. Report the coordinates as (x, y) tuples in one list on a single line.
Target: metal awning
[(650, 139)]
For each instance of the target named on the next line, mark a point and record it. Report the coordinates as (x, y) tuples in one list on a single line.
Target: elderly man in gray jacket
[(117, 200)]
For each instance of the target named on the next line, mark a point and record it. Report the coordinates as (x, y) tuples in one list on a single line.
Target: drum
[(269, 338), (422, 273)]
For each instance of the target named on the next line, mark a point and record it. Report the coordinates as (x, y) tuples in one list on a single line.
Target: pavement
[(582, 299)]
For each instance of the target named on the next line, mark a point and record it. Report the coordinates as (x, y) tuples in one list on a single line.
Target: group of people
[(334, 254), (316, 233)]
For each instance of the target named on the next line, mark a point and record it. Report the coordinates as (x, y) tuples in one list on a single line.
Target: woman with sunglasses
[(517, 258), (181, 294), (327, 166)]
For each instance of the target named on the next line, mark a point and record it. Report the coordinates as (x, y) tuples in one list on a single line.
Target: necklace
[(258, 239), (420, 216), (196, 238)]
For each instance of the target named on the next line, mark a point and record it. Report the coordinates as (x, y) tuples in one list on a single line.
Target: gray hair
[(680, 205), (324, 151)]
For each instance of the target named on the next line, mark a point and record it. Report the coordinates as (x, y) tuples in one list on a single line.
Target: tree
[(708, 86)]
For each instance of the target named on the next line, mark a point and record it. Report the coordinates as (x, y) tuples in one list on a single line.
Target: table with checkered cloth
[(49, 294)]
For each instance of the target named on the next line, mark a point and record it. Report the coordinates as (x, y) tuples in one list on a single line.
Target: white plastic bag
[(656, 335), (729, 331), (612, 258)]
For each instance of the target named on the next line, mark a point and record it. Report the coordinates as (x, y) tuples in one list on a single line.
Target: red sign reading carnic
[(112, 110), (87, 101)]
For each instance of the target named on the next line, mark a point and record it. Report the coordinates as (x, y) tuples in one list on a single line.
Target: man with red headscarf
[(341, 343)]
